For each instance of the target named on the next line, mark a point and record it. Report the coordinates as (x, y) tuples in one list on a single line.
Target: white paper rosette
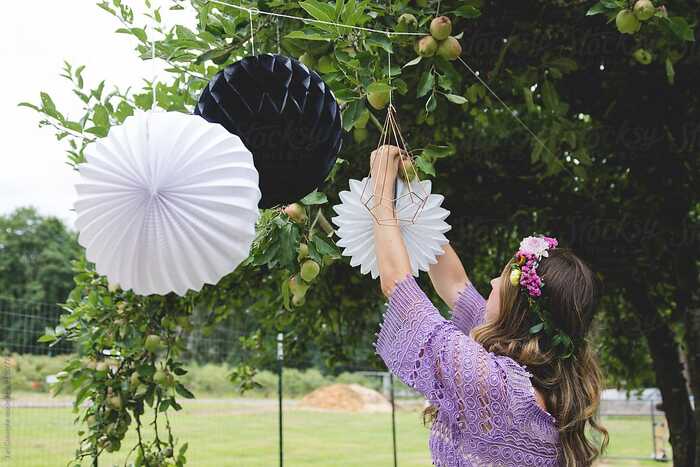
[(424, 238), (167, 202)]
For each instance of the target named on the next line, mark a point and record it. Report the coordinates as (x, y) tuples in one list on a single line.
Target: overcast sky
[(34, 170)]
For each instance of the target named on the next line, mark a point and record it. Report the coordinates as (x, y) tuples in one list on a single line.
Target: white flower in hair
[(534, 246)]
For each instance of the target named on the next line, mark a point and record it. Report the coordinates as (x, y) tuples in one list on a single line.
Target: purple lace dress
[(487, 414)]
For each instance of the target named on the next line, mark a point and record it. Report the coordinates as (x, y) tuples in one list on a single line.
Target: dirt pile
[(347, 397)]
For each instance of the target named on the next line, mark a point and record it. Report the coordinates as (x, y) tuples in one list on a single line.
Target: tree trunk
[(688, 302), (669, 376)]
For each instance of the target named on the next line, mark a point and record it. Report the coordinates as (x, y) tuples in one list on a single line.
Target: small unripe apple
[(441, 28), (298, 300), (427, 46), (360, 135), (450, 49), (309, 60), (160, 377), (153, 343), (363, 119), (627, 22), (303, 251), (296, 213), (643, 56), (407, 22), (115, 402), (378, 98), (297, 286), (309, 270), (644, 10), (91, 420)]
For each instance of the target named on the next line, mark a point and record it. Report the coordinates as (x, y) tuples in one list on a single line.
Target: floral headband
[(524, 274)]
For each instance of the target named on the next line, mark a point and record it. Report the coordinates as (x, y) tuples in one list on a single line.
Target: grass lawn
[(238, 434)]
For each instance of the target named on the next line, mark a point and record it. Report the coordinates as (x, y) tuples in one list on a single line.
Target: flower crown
[(524, 274)]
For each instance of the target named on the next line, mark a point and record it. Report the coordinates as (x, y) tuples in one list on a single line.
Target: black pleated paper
[(285, 115)]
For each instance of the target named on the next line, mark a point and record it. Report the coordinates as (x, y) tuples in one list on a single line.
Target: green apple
[(303, 251), (153, 343), (427, 46), (115, 402), (643, 56), (360, 135), (297, 286), (441, 28), (644, 10), (326, 64), (627, 22), (310, 270), (296, 212), (450, 49)]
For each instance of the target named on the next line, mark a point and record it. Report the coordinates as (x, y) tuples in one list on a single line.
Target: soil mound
[(347, 397)]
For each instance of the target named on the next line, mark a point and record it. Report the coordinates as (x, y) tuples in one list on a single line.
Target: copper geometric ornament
[(409, 196)]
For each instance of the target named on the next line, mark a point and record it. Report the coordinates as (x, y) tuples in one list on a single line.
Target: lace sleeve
[(431, 355), (469, 309)]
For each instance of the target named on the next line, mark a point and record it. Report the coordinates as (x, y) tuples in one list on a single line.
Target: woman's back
[(487, 411)]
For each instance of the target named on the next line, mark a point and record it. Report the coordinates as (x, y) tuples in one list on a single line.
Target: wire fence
[(273, 426)]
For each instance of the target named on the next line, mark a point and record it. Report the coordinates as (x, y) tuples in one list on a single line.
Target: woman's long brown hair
[(571, 387)]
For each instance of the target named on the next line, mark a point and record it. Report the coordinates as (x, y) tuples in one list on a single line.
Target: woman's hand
[(384, 167)]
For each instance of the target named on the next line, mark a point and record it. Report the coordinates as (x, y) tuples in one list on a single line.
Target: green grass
[(226, 434)]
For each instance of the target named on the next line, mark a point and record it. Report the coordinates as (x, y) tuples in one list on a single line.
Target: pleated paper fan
[(166, 203), (424, 237), (285, 114)]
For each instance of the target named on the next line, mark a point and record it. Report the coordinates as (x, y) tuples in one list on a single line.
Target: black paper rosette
[(285, 115)]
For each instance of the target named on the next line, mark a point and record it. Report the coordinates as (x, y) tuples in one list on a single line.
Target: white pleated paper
[(167, 202), (424, 238)]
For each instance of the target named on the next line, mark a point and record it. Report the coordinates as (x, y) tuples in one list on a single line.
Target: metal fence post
[(280, 360), (393, 417), (7, 396)]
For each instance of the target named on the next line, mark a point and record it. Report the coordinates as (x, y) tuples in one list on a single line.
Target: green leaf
[(351, 113), (183, 391), (46, 338), (467, 11), (596, 9), (48, 106), (27, 104), (320, 11), (413, 62), (315, 197), (323, 247), (536, 328), (431, 104), (670, 71), (309, 36), (680, 27), (379, 40), (101, 117), (456, 98), (425, 166), (438, 152), (425, 84)]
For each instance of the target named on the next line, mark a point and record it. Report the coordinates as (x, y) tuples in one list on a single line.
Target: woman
[(488, 409)]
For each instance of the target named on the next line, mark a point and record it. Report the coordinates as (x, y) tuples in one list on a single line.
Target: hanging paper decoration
[(423, 230), (285, 114), (167, 202)]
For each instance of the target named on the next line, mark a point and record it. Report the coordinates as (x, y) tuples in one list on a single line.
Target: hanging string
[(388, 52), (311, 20), (252, 33), (437, 10)]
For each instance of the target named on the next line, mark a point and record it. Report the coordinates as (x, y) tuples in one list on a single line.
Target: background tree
[(608, 164)]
